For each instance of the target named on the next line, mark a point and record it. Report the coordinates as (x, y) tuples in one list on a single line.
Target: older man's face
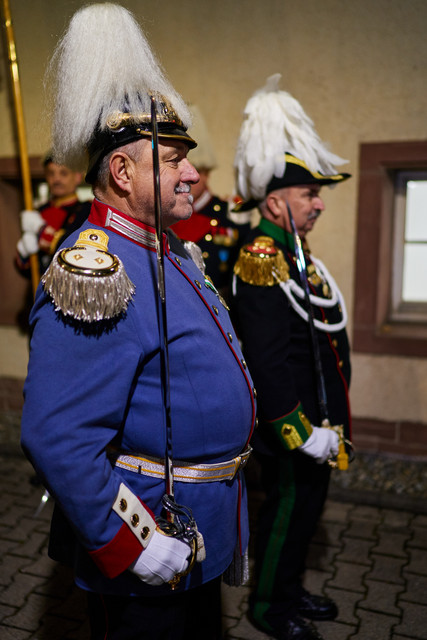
[(176, 177), (306, 205)]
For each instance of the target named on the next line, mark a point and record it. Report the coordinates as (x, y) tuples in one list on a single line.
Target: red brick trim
[(397, 437)]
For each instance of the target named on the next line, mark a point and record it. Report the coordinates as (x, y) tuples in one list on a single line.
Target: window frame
[(374, 330)]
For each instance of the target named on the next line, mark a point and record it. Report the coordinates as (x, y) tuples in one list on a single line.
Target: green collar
[(279, 234)]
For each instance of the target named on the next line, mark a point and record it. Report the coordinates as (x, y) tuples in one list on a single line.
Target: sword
[(178, 520), (342, 458)]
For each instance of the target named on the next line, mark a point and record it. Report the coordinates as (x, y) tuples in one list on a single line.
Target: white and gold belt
[(182, 471)]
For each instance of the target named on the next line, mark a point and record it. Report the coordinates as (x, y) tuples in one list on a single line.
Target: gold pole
[(20, 125)]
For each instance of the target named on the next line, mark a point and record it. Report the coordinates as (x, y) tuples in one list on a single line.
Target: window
[(390, 314), (409, 286)]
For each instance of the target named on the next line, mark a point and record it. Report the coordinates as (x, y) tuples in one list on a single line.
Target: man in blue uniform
[(282, 166), (94, 415)]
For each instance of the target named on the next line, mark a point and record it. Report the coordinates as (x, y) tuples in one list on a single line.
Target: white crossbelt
[(182, 471)]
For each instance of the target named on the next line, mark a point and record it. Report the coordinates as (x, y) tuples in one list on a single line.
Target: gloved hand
[(31, 221), (321, 445), (161, 560), (27, 244)]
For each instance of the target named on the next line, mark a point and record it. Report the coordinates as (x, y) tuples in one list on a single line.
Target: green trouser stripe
[(276, 541)]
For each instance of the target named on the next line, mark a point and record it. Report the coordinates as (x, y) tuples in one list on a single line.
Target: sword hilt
[(179, 523), (342, 459)]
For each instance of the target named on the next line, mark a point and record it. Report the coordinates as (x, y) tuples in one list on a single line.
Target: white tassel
[(276, 123)]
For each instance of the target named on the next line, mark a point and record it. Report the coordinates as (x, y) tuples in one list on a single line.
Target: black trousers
[(193, 615), (295, 489)]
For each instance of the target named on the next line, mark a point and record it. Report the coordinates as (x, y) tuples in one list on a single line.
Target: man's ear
[(121, 171), (275, 204)]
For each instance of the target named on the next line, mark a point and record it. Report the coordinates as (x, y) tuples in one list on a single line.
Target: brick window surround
[(373, 331)]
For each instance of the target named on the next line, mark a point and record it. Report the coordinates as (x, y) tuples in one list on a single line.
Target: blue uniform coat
[(88, 388)]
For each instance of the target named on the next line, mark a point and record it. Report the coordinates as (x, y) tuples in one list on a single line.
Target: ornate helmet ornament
[(124, 127), (279, 147), (101, 78)]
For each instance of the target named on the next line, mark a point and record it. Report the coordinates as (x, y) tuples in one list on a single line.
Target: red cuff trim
[(118, 554)]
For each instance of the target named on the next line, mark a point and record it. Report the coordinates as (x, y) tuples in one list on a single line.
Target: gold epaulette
[(261, 263)]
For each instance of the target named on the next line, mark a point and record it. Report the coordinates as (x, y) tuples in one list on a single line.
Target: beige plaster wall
[(357, 66)]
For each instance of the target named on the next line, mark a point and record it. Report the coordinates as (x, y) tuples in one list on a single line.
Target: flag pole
[(20, 126)]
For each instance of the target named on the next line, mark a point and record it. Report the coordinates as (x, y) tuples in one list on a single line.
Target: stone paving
[(371, 559)]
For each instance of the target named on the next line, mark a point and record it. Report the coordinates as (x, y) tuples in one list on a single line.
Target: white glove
[(161, 560), (27, 244), (31, 221), (321, 445)]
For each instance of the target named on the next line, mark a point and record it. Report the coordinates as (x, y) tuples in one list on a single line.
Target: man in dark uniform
[(97, 400), (213, 227), (273, 323), (43, 230)]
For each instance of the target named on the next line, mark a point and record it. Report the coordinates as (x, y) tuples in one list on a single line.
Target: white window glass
[(416, 211), (409, 285), (414, 285)]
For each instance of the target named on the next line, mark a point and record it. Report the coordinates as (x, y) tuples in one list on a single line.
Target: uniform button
[(208, 237), (335, 343), (177, 260), (254, 392), (134, 520), (215, 309), (244, 364), (217, 207), (326, 321), (230, 337), (214, 222), (340, 364), (205, 255), (123, 505), (256, 423), (145, 532), (197, 283)]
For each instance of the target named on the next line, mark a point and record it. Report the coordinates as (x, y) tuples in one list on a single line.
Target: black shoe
[(293, 629), (316, 607)]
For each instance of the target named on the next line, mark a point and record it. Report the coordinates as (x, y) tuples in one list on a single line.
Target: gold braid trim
[(261, 263)]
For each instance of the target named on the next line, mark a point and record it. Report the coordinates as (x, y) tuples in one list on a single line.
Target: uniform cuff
[(134, 535), (118, 554), (293, 429)]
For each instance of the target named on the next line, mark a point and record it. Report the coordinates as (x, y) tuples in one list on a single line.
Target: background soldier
[(213, 227), (95, 402), (281, 161), (43, 230)]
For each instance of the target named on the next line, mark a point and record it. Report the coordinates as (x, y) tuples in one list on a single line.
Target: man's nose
[(189, 173), (319, 205)]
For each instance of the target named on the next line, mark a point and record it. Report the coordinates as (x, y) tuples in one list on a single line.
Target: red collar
[(124, 225)]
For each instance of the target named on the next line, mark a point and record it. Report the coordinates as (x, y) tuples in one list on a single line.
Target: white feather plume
[(103, 64), (276, 123)]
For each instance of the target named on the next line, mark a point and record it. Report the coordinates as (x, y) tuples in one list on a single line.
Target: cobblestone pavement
[(371, 559)]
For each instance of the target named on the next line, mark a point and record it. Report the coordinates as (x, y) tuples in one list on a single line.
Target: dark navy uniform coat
[(88, 387), (277, 346)]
